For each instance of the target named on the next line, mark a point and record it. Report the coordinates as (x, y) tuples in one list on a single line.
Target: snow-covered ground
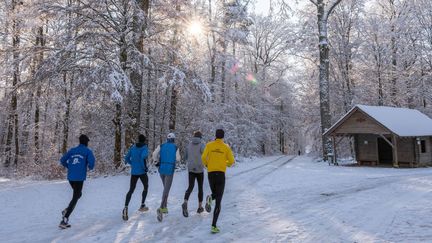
[(274, 199)]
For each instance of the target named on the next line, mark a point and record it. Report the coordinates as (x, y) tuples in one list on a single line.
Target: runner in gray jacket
[(196, 170)]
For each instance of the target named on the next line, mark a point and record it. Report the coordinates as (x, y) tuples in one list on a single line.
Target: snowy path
[(274, 199)]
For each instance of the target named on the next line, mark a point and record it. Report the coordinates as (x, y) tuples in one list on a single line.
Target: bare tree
[(13, 124), (323, 13), (134, 99)]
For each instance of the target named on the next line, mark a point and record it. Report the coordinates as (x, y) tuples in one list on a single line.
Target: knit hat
[(142, 138), (197, 134), (220, 133), (83, 139), (171, 135)]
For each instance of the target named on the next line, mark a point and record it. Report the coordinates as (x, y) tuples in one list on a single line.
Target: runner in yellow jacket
[(216, 156)]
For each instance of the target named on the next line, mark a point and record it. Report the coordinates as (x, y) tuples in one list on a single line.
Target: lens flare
[(195, 28), (251, 78), (234, 69)]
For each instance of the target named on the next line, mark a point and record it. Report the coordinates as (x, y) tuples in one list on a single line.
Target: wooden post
[(378, 151), (395, 152), (334, 150), (412, 160), (356, 148)]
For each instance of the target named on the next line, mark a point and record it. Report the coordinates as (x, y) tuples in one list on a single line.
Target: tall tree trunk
[(393, 92), (40, 42), (174, 88), (25, 130), (163, 115), (67, 94), (118, 107), (223, 75), (155, 106), (148, 95), (136, 76), (13, 129), (212, 51), (281, 130), (423, 86), (149, 73), (117, 135), (173, 109), (324, 84), (378, 60), (213, 72), (235, 71)]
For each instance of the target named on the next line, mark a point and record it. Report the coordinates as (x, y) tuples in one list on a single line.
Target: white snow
[(273, 199), (402, 121)]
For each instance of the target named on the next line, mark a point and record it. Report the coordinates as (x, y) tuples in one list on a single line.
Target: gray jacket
[(193, 155)]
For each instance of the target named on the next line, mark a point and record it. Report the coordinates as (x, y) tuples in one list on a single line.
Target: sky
[(262, 6)]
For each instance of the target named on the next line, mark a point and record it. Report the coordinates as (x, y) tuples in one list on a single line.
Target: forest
[(275, 81)]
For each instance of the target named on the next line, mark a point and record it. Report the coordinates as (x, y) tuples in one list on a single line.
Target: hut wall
[(366, 151), (406, 150), (359, 123), (425, 158)]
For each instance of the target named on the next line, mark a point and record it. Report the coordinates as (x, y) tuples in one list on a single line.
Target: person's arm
[(64, 159), (91, 160), (178, 157), (204, 156), (202, 148), (230, 157), (186, 153), (144, 156), (127, 157), (156, 154)]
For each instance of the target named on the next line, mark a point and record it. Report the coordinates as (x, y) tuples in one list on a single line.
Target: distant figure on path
[(195, 166), (137, 158), (76, 161), (216, 157), (165, 156)]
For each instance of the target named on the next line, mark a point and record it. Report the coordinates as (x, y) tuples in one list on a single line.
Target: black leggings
[(133, 182), (217, 186), (77, 188), (200, 179)]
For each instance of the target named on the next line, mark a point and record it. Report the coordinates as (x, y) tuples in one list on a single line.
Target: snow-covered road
[(273, 199)]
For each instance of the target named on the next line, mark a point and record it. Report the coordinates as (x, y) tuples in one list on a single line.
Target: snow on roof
[(403, 122)]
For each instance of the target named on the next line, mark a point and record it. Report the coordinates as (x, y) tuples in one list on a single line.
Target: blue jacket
[(76, 160), (167, 159), (136, 157)]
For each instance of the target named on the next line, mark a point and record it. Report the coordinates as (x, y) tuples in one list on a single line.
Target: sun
[(195, 28)]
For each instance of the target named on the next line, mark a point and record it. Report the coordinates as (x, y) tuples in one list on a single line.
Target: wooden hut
[(386, 135)]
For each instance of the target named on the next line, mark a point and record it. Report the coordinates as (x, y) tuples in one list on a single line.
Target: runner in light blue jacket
[(165, 156), (137, 158)]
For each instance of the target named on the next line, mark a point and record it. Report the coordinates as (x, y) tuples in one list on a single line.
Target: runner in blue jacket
[(76, 161), (137, 158), (165, 156)]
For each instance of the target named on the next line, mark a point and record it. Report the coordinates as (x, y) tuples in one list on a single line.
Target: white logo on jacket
[(75, 158)]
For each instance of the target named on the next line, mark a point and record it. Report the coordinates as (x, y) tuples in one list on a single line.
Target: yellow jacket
[(217, 156)]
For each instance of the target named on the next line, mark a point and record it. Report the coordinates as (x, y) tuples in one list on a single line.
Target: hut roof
[(403, 122)]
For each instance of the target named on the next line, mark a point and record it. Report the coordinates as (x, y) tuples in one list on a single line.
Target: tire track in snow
[(184, 229), (260, 215), (267, 169), (257, 167)]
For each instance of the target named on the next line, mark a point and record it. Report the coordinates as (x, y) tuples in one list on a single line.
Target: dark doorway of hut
[(385, 152)]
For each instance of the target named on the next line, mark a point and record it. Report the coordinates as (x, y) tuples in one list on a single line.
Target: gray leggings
[(166, 181)]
